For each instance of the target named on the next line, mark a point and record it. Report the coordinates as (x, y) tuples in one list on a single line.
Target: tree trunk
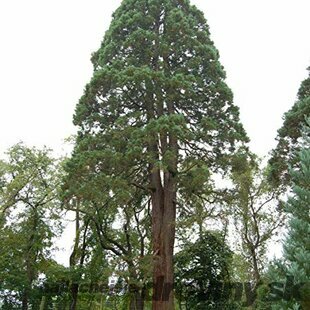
[(137, 300), (74, 287), (255, 267), (25, 300), (30, 259), (74, 295), (252, 292), (163, 197), (137, 294), (163, 245), (163, 233), (42, 304)]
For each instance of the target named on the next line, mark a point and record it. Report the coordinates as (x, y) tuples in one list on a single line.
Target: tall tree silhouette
[(156, 115)]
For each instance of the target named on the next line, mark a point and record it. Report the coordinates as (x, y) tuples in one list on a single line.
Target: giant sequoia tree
[(156, 115)]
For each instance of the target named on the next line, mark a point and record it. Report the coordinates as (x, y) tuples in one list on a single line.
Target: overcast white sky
[(46, 47)]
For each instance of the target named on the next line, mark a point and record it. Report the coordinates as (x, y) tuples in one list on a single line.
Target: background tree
[(258, 212), (121, 233), (30, 212), (202, 273), (156, 114), (295, 263), (78, 256), (289, 135), (209, 206)]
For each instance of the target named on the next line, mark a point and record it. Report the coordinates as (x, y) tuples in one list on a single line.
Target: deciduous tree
[(258, 211), (30, 219)]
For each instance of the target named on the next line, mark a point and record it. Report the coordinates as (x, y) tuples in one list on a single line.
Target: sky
[(45, 62)]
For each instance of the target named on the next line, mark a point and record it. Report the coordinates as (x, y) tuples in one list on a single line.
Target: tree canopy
[(29, 211), (156, 115), (289, 136)]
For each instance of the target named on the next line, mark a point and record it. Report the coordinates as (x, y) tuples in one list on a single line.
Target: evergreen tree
[(156, 115), (289, 135), (202, 273), (291, 274), (297, 245)]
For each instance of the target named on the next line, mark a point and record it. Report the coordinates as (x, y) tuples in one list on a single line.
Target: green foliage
[(304, 90), (286, 152), (241, 269), (294, 266), (157, 102), (202, 269), (296, 246), (29, 209), (155, 52), (257, 210)]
